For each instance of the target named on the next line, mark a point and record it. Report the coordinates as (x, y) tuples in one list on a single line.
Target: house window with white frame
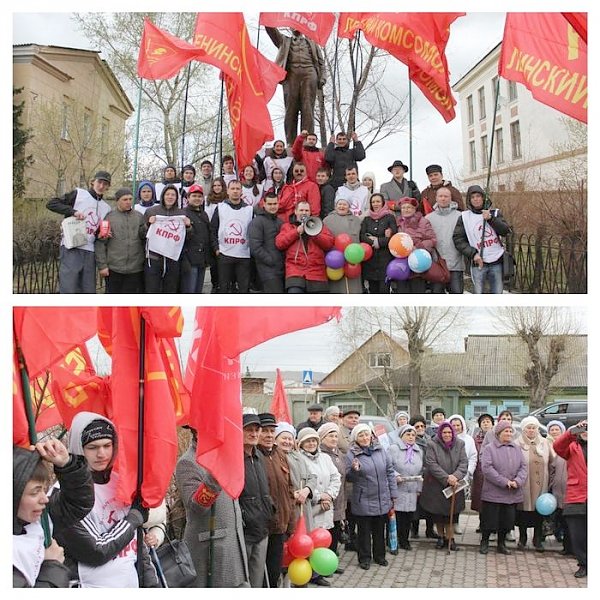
[(515, 139), (380, 359), (472, 157), (481, 95), (499, 146), (470, 112)]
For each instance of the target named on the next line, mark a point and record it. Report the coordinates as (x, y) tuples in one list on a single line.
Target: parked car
[(569, 412), (380, 425)]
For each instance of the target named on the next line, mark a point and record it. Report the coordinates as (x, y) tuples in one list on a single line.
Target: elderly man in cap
[(315, 418), (255, 501), (399, 187), (77, 272), (437, 181), (281, 490)]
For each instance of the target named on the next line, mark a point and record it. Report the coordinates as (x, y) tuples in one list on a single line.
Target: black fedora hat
[(398, 163)]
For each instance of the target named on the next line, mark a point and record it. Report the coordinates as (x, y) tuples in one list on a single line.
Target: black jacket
[(327, 199), (68, 504), (342, 157), (197, 239), (374, 269), (255, 501), (261, 236)]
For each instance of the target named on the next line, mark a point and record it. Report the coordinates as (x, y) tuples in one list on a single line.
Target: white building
[(535, 146)]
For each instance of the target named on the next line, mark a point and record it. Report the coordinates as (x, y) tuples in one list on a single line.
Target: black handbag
[(175, 561)]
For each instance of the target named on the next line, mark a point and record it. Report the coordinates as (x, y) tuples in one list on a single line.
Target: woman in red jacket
[(572, 446)]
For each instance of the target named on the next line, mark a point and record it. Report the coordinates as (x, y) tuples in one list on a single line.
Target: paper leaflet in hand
[(460, 486)]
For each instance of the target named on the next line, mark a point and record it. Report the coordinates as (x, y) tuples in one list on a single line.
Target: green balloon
[(323, 561), (354, 253)]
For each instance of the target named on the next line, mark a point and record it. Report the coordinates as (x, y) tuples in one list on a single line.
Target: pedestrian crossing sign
[(307, 377)]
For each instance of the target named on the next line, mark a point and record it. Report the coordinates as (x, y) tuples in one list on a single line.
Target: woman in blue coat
[(374, 490)]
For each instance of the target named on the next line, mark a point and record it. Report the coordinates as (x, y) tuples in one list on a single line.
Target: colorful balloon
[(400, 245), (287, 558), (352, 271), (341, 241), (335, 274), (300, 545), (299, 571), (320, 537), (419, 260), (324, 561), (368, 251), (398, 269), (546, 504), (354, 253), (334, 259)]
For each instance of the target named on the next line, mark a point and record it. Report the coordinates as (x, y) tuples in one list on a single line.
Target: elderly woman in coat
[(446, 464), (504, 471), (539, 455), (485, 423), (329, 434), (407, 460), (374, 491), (198, 490)]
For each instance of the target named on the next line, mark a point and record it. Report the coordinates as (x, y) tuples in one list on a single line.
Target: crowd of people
[(331, 468), (268, 226)]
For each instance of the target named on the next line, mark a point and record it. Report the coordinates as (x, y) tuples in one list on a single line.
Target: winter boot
[(484, 543), (522, 538), (502, 549)]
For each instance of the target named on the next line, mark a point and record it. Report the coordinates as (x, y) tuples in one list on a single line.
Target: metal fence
[(545, 265)]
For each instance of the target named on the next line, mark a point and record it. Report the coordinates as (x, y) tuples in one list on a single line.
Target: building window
[(512, 91), (515, 139), (64, 131), (473, 156), (380, 359), (470, 113), (502, 187), (481, 94), (484, 151), (87, 126), (499, 146), (104, 136), (427, 413), (519, 186), (496, 92), (360, 407)]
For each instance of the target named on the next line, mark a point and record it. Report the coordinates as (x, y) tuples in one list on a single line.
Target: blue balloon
[(398, 270), (419, 260), (546, 504)]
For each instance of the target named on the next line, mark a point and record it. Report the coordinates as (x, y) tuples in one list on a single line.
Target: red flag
[(162, 55), (579, 23), (46, 334), (418, 40), (316, 26), (250, 78), (544, 53), (121, 326), (213, 378), (279, 406)]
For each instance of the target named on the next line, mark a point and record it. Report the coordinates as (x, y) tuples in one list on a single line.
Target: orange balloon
[(400, 245)]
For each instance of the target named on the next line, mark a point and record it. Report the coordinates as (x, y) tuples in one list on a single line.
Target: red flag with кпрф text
[(546, 54), (250, 79), (316, 26), (213, 378), (418, 40)]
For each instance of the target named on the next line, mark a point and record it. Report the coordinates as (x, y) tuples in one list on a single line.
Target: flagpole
[(217, 129), (136, 141), (140, 445), (489, 173), (410, 136), (185, 105), (333, 82), (26, 393), (221, 121)]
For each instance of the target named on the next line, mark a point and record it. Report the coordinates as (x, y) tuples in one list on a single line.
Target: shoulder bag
[(438, 272), (175, 561)]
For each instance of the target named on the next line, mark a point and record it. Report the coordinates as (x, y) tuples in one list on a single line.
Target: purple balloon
[(335, 259), (398, 269)]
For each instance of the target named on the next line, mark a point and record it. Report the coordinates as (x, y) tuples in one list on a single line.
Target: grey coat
[(501, 463), (408, 491), (230, 561), (301, 476), (441, 462), (339, 460), (349, 224), (374, 486), (443, 221)]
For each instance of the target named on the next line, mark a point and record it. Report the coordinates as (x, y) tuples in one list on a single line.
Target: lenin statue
[(303, 61)]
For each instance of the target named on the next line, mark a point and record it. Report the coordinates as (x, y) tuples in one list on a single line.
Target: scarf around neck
[(379, 214)]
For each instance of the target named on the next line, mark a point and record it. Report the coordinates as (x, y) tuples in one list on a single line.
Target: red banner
[(316, 26), (120, 333), (162, 55), (419, 41), (279, 405), (213, 378), (544, 53), (579, 23), (250, 79)]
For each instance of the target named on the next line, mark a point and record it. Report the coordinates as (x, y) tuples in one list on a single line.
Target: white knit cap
[(529, 421), (358, 429), (307, 433), (283, 426), (327, 428)]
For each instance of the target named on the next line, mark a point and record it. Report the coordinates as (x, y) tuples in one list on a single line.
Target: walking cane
[(451, 524), (159, 570)]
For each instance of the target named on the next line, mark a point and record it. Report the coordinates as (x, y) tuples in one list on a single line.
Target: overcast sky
[(434, 141)]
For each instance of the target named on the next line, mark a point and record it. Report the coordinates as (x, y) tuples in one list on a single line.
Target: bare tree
[(544, 331), (422, 326)]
